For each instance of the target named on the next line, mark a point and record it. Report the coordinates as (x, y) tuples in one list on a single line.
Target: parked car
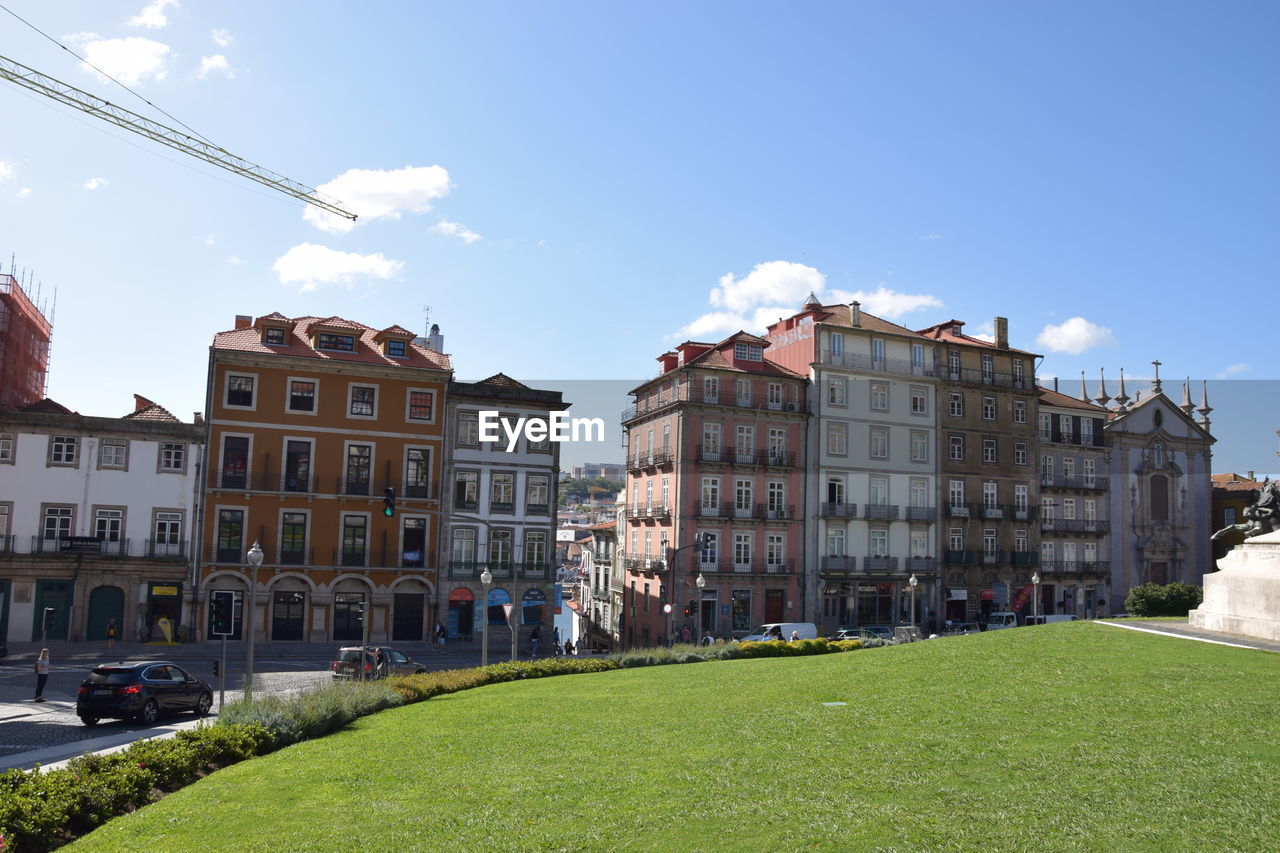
[(846, 634), (783, 631), (880, 632), (142, 690), (395, 662)]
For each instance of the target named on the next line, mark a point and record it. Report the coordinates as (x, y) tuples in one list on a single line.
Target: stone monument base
[(1243, 596)]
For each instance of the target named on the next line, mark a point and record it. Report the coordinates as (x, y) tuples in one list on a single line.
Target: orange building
[(318, 428)]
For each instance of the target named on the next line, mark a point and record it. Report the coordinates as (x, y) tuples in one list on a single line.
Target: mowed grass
[(1060, 737)]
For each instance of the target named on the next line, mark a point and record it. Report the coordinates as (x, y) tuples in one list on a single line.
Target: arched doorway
[(288, 610), (408, 617), (350, 599), (531, 607), (461, 606), (105, 603)]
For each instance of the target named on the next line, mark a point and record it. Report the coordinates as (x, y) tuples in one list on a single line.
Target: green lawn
[(1060, 737)]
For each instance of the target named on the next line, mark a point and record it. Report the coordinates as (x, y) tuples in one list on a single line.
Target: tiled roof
[(46, 406), (1049, 397), (502, 380), (1234, 483), (299, 345), (716, 358), (153, 412), (842, 315), (942, 332)]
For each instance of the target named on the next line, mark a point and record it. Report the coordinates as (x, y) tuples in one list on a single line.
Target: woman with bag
[(42, 673)]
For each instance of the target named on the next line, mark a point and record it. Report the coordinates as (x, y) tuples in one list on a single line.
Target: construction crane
[(65, 93)]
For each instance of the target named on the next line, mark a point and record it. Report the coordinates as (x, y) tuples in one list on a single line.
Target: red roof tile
[(153, 412), (299, 345), (502, 380), (945, 332), (841, 315), (1053, 398), (46, 406)]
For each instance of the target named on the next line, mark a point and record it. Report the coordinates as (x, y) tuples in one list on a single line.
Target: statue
[(1262, 517)]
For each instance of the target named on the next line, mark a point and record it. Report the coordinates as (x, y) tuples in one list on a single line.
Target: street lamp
[(486, 578), (913, 581), (701, 583), (254, 558), (1035, 601)]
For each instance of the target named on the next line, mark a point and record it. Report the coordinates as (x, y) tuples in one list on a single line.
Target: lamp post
[(913, 581), (486, 578), (1035, 601), (254, 558), (701, 583)]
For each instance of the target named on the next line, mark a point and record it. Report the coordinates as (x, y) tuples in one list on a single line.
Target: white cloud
[(235, 261), (6, 170), (217, 62), (129, 60), (221, 38), (984, 332), (310, 266), (152, 15), (1074, 336), (886, 303), (453, 229), (1233, 370), (930, 237), (95, 184), (209, 239), (375, 194), (776, 289), (24, 192)]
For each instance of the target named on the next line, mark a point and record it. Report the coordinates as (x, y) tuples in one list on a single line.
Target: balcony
[(697, 394), (1020, 513), (356, 486), (711, 454), (471, 505), (991, 558), (297, 482), (1076, 567), (80, 545), (1024, 558), (658, 510), (649, 459), (959, 558), (839, 510), (295, 557), (880, 564), (777, 459), (233, 479), (538, 509), (644, 564), (990, 379), (502, 506), (864, 362), (743, 510), (713, 510), (533, 571), (465, 569), (1075, 525), (776, 513), (921, 565), (880, 512), (1084, 484), (155, 549), (992, 512), (350, 557), (922, 513), (6, 544), (422, 491), (501, 569), (959, 510), (839, 564)]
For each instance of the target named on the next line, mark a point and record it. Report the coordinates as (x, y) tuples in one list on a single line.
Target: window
[(773, 549), (917, 359), (955, 539), (742, 388), (173, 457), (468, 429), (417, 472), (742, 498), (836, 392), (711, 442), (879, 491), (990, 494), (293, 538), (1090, 510), (988, 369), (1020, 501), (837, 439), (1046, 470), (235, 462), (989, 451), (413, 543), (339, 343), (502, 492), (919, 401), (1091, 553), (113, 453), (777, 443), (919, 495), (919, 544), (230, 546), (748, 352), (1090, 471), (1019, 411), (1048, 510), (421, 405), (955, 448), (1064, 426), (775, 395), (499, 548), (362, 401), (955, 404), (355, 530), (919, 446), (273, 336), (955, 493), (877, 353), (777, 498), (6, 449), (542, 445), (1017, 373), (1086, 431), (879, 543), (302, 395), (1069, 466), (536, 493), (710, 495), (989, 542), (710, 548), (879, 443), (835, 490), (1019, 453), (167, 528), (64, 450), (359, 468), (397, 349), (880, 396), (746, 442), (710, 389), (953, 363), (240, 391), (108, 524), (1069, 509), (988, 408), (1069, 555), (666, 492), (297, 466), (463, 545), (1046, 426), (1046, 553), (1020, 541), (742, 543), (535, 548), (837, 346)]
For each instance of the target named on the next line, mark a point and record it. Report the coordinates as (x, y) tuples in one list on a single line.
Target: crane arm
[(64, 93)]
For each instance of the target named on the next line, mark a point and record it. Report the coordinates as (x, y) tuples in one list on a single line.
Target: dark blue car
[(142, 691)]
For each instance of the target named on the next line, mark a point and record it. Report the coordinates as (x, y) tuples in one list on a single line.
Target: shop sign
[(957, 595), (164, 591)]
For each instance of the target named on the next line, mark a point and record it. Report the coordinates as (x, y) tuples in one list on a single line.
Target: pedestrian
[(568, 647), (111, 634), (795, 636), (707, 639), (440, 635), (378, 661), (534, 637), (685, 636), (42, 673), (555, 641)]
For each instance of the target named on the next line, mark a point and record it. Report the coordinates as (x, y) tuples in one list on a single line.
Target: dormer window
[(748, 352), (273, 336), (397, 349), (339, 343)]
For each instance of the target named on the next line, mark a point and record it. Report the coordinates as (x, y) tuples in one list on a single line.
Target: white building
[(96, 517)]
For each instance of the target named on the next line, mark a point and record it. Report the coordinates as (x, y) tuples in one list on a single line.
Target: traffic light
[(690, 608), (222, 615), (217, 668), (389, 502)]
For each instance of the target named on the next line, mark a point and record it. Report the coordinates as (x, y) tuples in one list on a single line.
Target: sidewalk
[(1180, 628)]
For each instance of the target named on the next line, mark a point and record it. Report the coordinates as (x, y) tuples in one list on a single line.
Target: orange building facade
[(325, 446)]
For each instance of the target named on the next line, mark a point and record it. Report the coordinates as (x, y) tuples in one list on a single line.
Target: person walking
[(440, 635), (568, 647), (534, 638), (111, 634), (42, 673)]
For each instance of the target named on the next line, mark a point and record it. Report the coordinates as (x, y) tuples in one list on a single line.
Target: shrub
[(1175, 599), (312, 713)]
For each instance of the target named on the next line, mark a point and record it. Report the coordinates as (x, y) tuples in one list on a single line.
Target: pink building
[(716, 455)]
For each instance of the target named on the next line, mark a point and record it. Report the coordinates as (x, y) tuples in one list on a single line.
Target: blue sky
[(572, 187)]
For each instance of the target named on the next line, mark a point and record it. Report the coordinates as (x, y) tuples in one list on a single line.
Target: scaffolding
[(24, 347)]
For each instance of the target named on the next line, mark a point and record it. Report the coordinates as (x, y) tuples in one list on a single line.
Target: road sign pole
[(222, 676)]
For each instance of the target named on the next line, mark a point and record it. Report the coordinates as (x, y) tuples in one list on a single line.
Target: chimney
[(140, 402), (1002, 334), (1250, 478), (243, 321), (1055, 383), (197, 418), (855, 313), (435, 340)]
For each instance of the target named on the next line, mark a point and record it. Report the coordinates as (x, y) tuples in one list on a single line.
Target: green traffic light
[(388, 511)]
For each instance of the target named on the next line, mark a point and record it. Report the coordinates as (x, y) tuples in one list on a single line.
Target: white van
[(802, 630), (1002, 619)]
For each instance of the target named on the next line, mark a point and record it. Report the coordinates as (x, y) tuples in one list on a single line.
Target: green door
[(105, 603), (56, 596)]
